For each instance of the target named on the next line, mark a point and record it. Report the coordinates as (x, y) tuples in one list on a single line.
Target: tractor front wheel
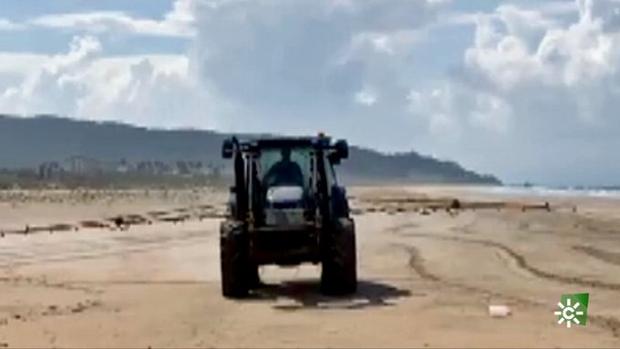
[(339, 259), (234, 259)]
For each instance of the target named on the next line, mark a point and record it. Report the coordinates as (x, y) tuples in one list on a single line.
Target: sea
[(536, 190)]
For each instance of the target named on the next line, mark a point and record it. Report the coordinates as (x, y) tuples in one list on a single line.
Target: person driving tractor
[(284, 172)]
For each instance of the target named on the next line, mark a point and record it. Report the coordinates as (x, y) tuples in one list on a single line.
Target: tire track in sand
[(519, 260), (605, 256), (610, 323), (86, 249), (417, 263)]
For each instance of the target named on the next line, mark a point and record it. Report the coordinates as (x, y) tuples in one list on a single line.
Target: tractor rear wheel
[(339, 259)]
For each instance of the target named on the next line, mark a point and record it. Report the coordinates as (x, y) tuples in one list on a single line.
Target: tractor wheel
[(234, 261), (339, 260), (253, 276)]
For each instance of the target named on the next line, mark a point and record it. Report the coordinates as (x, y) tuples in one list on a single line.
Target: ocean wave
[(551, 191)]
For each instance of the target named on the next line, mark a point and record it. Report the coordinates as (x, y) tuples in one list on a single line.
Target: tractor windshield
[(285, 166)]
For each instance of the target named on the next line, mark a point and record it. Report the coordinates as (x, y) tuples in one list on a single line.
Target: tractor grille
[(284, 216)]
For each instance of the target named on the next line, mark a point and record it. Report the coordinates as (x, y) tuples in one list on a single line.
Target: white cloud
[(55, 83), (146, 89), (7, 25), (86, 82), (539, 95), (366, 97), (452, 113), (562, 60), (145, 93), (492, 113), (20, 63), (177, 23), (305, 64)]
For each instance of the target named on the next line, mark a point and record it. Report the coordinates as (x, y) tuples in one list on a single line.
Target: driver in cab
[(284, 172)]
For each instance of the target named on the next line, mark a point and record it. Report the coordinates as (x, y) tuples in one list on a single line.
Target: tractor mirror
[(334, 159), (227, 149), (342, 149)]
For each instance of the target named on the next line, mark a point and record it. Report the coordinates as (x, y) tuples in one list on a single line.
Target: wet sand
[(140, 269)]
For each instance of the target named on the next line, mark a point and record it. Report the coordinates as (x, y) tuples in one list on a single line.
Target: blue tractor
[(286, 208)]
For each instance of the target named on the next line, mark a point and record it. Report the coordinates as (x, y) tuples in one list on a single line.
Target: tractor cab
[(281, 181)]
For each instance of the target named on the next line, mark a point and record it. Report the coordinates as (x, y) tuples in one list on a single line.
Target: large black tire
[(234, 259), (253, 276), (339, 260)]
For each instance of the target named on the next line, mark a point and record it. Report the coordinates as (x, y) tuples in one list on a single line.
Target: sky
[(526, 90)]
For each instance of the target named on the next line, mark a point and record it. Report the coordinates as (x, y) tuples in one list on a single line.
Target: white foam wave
[(549, 191)]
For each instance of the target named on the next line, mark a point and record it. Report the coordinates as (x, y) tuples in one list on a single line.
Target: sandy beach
[(141, 269)]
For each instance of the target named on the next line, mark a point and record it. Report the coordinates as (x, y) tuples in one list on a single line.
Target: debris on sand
[(157, 213), (545, 206), (62, 227), (499, 311), (448, 204), (356, 211), (82, 306), (51, 310), (120, 223), (174, 219), (135, 219), (455, 204), (93, 224), (78, 308)]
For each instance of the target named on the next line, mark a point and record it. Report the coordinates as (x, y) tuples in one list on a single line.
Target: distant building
[(82, 165), (49, 170), (161, 168), (145, 167), (123, 166)]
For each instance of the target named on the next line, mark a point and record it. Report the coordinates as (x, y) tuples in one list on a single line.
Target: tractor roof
[(256, 144), (290, 141), (286, 142)]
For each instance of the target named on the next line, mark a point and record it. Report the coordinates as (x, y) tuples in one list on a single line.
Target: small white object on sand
[(499, 310)]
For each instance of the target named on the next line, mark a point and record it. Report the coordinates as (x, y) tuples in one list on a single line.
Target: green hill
[(28, 142)]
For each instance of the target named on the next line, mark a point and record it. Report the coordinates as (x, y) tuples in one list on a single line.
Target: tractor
[(286, 208)]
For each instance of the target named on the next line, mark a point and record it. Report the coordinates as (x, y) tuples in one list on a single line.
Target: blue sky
[(526, 90), (25, 9)]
